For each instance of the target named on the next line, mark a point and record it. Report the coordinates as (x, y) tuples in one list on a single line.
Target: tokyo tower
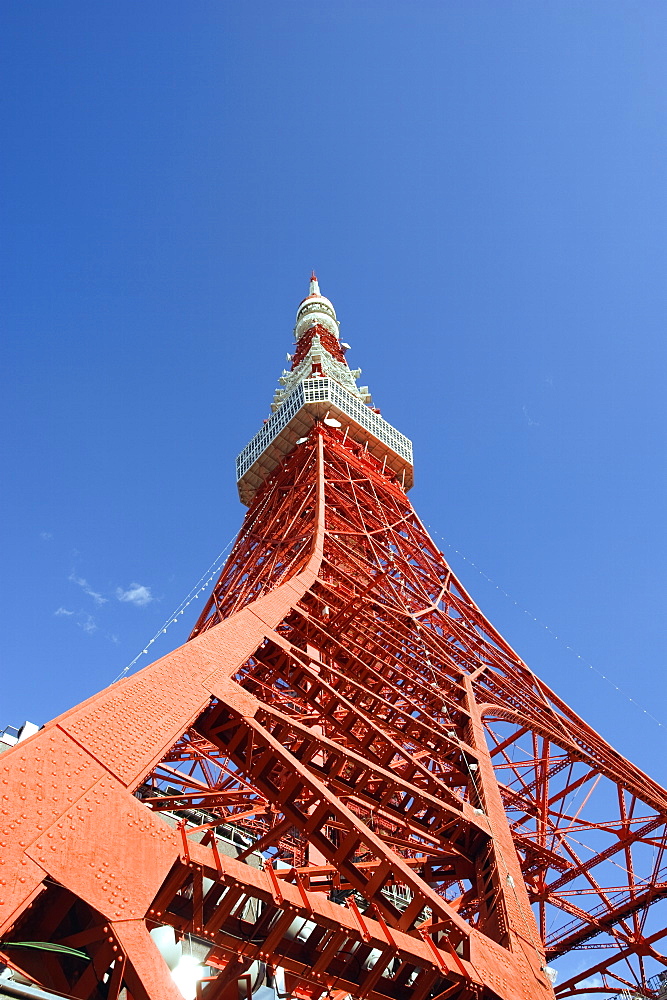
[(344, 785)]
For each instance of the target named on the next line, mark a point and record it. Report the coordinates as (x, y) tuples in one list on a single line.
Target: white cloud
[(86, 588), (46, 536), (135, 594), (595, 982), (82, 619), (529, 419), (87, 623)]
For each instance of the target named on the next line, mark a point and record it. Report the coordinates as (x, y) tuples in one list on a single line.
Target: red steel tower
[(415, 815)]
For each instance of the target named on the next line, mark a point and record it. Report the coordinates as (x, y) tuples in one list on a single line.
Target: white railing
[(269, 431), (322, 390)]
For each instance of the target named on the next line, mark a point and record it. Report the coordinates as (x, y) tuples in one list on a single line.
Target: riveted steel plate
[(39, 781), (110, 850)]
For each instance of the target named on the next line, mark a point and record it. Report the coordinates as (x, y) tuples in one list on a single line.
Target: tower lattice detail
[(414, 814)]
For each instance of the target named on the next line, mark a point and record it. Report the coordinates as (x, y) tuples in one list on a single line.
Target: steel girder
[(430, 820)]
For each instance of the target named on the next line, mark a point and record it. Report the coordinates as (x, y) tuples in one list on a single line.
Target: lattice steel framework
[(431, 820)]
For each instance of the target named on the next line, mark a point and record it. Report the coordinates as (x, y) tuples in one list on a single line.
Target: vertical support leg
[(511, 891), (146, 974)]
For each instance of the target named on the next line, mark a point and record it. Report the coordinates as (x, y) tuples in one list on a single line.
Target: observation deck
[(320, 386), (311, 400)]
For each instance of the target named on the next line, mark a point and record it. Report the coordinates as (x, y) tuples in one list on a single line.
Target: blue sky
[(481, 189)]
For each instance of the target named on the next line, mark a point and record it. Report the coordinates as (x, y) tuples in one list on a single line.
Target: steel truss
[(422, 817)]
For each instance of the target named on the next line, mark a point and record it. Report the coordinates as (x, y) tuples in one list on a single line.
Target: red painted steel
[(328, 341), (423, 818)]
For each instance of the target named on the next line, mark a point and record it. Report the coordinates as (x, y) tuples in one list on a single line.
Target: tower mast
[(346, 784)]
